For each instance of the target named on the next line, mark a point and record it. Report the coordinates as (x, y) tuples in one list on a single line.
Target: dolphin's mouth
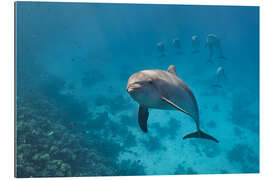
[(133, 87), (130, 90)]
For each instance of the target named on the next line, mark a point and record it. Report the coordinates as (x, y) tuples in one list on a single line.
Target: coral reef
[(121, 132), (46, 146), (240, 109), (238, 132), (128, 167), (206, 147), (243, 155), (170, 130), (153, 144), (115, 104), (182, 170), (131, 121)]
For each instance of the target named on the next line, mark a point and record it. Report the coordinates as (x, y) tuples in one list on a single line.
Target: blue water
[(75, 118)]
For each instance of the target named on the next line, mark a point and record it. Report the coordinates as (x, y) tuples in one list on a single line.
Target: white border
[(7, 86), (197, 2)]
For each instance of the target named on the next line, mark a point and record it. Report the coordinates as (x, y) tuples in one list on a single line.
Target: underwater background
[(74, 116)]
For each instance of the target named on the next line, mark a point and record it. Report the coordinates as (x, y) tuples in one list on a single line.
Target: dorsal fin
[(172, 69)]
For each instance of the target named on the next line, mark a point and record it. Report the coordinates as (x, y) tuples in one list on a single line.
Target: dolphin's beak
[(130, 90), (132, 87)]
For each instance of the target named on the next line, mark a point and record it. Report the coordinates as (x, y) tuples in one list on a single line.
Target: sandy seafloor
[(78, 58)]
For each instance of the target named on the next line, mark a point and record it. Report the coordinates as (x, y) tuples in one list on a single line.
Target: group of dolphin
[(160, 89), (212, 43)]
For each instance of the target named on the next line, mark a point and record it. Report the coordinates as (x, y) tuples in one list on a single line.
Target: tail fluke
[(200, 134)]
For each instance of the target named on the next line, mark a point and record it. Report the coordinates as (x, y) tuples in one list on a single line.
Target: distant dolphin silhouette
[(195, 44), (220, 77), (177, 45), (212, 41), (220, 73), (161, 48), (164, 90)]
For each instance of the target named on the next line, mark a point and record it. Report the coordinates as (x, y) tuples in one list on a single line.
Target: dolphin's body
[(195, 44), (161, 48), (212, 41), (164, 90), (220, 73), (177, 45), (220, 77)]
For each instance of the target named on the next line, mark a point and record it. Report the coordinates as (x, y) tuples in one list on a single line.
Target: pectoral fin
[(143, 117), (174, 105)]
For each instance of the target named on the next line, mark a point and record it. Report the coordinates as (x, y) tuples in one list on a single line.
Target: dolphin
[(220, 73), (164, 90), (212, 41), (220, 77), (177, 45), (195, 44), (161, 48)]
